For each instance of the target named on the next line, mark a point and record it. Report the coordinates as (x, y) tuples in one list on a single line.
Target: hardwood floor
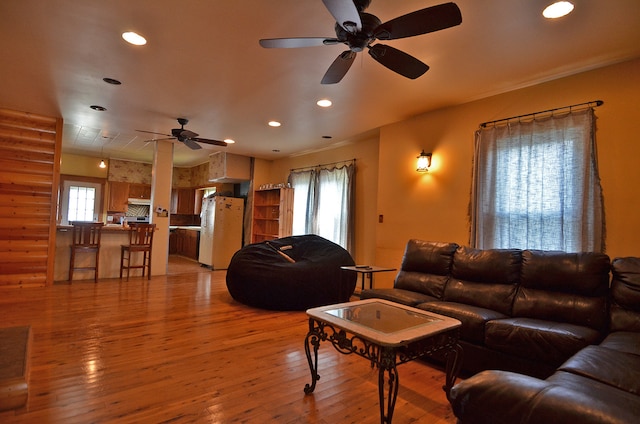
[(179, 349)]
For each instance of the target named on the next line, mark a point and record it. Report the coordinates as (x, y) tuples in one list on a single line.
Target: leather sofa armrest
[(495, 397), (501, 397)]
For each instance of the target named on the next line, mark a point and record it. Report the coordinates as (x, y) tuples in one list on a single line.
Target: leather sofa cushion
[(493, 266), (622, 319), (406, 297), (625, 294), (484, 278), (562, 307), (425, 267), (501, 397), (584, 273), (428, 257), (617, 369), (473, 318), (564, 287), (427, 284), (498, 297), (623, 341), (545, 341)]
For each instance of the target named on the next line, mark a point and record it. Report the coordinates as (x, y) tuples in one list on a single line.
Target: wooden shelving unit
[(272, 214)]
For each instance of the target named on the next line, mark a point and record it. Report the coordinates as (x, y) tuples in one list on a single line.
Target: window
[(536, 186), (80, 201), (323, 203)]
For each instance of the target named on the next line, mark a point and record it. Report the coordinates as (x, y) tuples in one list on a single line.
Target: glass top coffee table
[(387, 334)]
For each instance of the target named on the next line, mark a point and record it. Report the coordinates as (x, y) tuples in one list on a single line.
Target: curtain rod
[(323, 164), (596, 103)]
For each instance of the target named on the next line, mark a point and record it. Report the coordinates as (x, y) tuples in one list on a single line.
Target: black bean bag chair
[(259, 276)]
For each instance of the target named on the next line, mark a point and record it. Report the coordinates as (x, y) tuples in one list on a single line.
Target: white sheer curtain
[(536, 185), (323, 203)]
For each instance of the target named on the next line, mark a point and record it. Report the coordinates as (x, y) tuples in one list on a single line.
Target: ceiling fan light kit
[(359, 31)]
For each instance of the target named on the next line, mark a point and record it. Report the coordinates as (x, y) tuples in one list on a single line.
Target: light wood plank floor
[(179, 349)]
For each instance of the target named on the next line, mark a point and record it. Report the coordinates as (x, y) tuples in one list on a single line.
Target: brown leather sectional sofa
[(562, 343)]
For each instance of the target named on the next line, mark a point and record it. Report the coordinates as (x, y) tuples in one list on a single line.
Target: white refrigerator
[(221, 221)]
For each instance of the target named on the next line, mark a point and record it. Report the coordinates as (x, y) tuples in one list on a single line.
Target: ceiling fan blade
[(158, 139), (398, 61), (345, 14), (187, 134), (191, 144), (290, 43), (209, 141), (151, 132), (420, 22), (339, 67)]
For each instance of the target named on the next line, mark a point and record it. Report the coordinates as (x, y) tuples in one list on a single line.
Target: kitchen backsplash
[(138, 210)]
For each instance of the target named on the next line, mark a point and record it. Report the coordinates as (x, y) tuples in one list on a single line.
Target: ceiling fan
[(189, 138), (359, 30)]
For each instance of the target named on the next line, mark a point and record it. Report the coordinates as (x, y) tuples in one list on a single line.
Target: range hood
[(229, 168), (138, 201)]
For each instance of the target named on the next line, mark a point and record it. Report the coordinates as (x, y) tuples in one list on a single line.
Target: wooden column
[(161, 176)]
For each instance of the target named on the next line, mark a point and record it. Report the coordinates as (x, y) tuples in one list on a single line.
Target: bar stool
[(140, 240), (86, 239)]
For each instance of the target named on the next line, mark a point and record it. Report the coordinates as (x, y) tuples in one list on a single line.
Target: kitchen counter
[(107, 228), (113, 236)]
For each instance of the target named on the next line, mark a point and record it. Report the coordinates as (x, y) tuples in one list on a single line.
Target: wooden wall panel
[(29, 177)]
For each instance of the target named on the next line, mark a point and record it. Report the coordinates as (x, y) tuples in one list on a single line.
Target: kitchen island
[(113, 236)]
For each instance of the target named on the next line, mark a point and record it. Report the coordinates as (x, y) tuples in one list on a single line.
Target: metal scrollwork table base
[(384, 350)]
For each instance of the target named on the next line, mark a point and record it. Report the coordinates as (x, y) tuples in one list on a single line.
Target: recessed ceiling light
[(134, 38), (324, 103), (98, 108), (229, 141), (557, 10), (274, 124), (111, 81)]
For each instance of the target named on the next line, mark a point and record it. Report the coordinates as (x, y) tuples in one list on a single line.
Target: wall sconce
[(424, 162), (102, 164)]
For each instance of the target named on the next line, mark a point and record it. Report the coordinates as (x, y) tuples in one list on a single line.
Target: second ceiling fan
[(359, 30), (188, 137)]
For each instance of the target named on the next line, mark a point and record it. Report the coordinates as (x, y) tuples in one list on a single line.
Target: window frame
[(68, 180)]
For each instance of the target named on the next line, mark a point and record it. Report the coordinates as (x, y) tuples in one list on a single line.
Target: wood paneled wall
[(29, 177)]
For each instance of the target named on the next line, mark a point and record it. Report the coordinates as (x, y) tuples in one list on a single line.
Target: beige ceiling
[(203, 62)]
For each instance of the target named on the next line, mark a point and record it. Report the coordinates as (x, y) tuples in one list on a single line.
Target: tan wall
[(85, 166), (365, 151), (434, 206)]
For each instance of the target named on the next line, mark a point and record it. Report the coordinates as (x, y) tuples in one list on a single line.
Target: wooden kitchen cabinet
[(186, 242), (118, 195), (183, 201), (173, 242), (139, 191), (192, 244)]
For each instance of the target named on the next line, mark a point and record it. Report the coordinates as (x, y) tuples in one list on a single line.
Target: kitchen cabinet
[(118, 195), (191, 244), (186, 242), (272, 214), (139, 191), (183, 201), (173, 242)]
